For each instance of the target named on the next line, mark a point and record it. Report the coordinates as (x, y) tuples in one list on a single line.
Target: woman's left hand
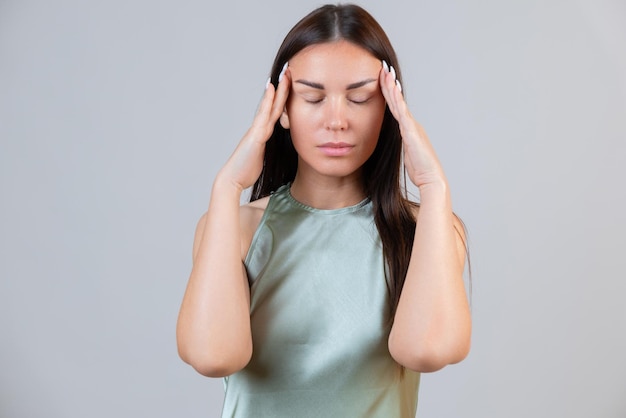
[(420, 160), (433, 308)]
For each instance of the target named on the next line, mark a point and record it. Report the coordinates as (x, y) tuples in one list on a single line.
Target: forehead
[(334, 59)]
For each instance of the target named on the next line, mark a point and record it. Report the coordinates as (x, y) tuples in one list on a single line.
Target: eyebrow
[(352, 86)]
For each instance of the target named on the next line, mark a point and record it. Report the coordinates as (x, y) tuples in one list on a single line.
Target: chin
[(337, 169)]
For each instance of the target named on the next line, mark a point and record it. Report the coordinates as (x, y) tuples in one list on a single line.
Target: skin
[(335, 98), (331, 93)]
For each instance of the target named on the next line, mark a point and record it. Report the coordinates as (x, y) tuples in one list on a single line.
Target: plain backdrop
[(115, 116)]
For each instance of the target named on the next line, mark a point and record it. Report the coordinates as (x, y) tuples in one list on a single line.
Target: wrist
[(224, 186), (434, 191)]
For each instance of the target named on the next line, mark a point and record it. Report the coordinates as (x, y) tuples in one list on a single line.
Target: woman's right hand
[(245, 164)]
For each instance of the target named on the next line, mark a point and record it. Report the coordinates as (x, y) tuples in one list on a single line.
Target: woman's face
[(335, 108)]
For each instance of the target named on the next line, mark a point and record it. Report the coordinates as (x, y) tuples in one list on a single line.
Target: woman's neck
[(324, 192)]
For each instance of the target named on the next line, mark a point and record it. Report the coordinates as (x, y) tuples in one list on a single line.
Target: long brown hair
[(393, 212)]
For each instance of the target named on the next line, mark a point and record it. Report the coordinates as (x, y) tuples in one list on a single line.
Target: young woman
[(329, 292)]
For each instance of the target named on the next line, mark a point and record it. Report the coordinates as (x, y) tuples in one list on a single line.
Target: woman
[(329, 292)]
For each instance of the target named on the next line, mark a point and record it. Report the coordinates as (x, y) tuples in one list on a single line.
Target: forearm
[(213, 330), (432, 322)]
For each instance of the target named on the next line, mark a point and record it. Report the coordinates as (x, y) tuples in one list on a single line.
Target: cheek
[(373, 121), (301, 127), (301, 116)]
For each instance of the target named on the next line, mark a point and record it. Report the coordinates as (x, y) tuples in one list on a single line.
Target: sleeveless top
[(320, 319)]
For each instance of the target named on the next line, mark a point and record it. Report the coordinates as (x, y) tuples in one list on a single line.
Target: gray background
[(115, 116)]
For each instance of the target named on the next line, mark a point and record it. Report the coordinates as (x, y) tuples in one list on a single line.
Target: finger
[(388, 87), (265, 106), (392, 91), (282, 93), (382, 80)]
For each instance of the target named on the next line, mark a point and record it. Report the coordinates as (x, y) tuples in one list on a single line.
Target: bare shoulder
[(251, 213), (250, 216), (461, 237), (198, 235), (415, 208)]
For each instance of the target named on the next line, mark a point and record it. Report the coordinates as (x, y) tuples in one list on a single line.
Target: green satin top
[(320, 319)]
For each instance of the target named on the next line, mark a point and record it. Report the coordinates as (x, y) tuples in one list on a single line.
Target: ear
[(284, 119)]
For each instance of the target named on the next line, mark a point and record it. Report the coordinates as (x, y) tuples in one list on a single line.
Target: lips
[(336, 149)]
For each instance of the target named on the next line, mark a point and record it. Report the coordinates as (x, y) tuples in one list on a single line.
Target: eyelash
[(359, 102)]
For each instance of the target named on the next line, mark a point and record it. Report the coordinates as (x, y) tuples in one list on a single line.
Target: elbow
[(428, 357), (218, 367), (216, 362)]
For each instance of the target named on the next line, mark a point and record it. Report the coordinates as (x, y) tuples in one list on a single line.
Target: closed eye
[(359, 100)]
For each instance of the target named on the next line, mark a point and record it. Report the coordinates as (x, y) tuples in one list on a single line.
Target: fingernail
[(399, 85), (282, 72), (393, 72), (385, 66), (267, 83)]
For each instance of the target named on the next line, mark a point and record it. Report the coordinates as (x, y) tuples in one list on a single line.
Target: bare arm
[(213, 330), (432, 324)]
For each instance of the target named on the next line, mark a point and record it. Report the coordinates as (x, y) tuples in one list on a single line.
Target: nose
[(336, 115)]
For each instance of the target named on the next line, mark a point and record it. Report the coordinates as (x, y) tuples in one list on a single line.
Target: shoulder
[(250, 216), (251, 213)]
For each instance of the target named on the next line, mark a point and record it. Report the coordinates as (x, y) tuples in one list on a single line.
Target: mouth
[(336, 149)]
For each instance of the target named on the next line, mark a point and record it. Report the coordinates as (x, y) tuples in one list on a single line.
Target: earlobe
[(284, 120)]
